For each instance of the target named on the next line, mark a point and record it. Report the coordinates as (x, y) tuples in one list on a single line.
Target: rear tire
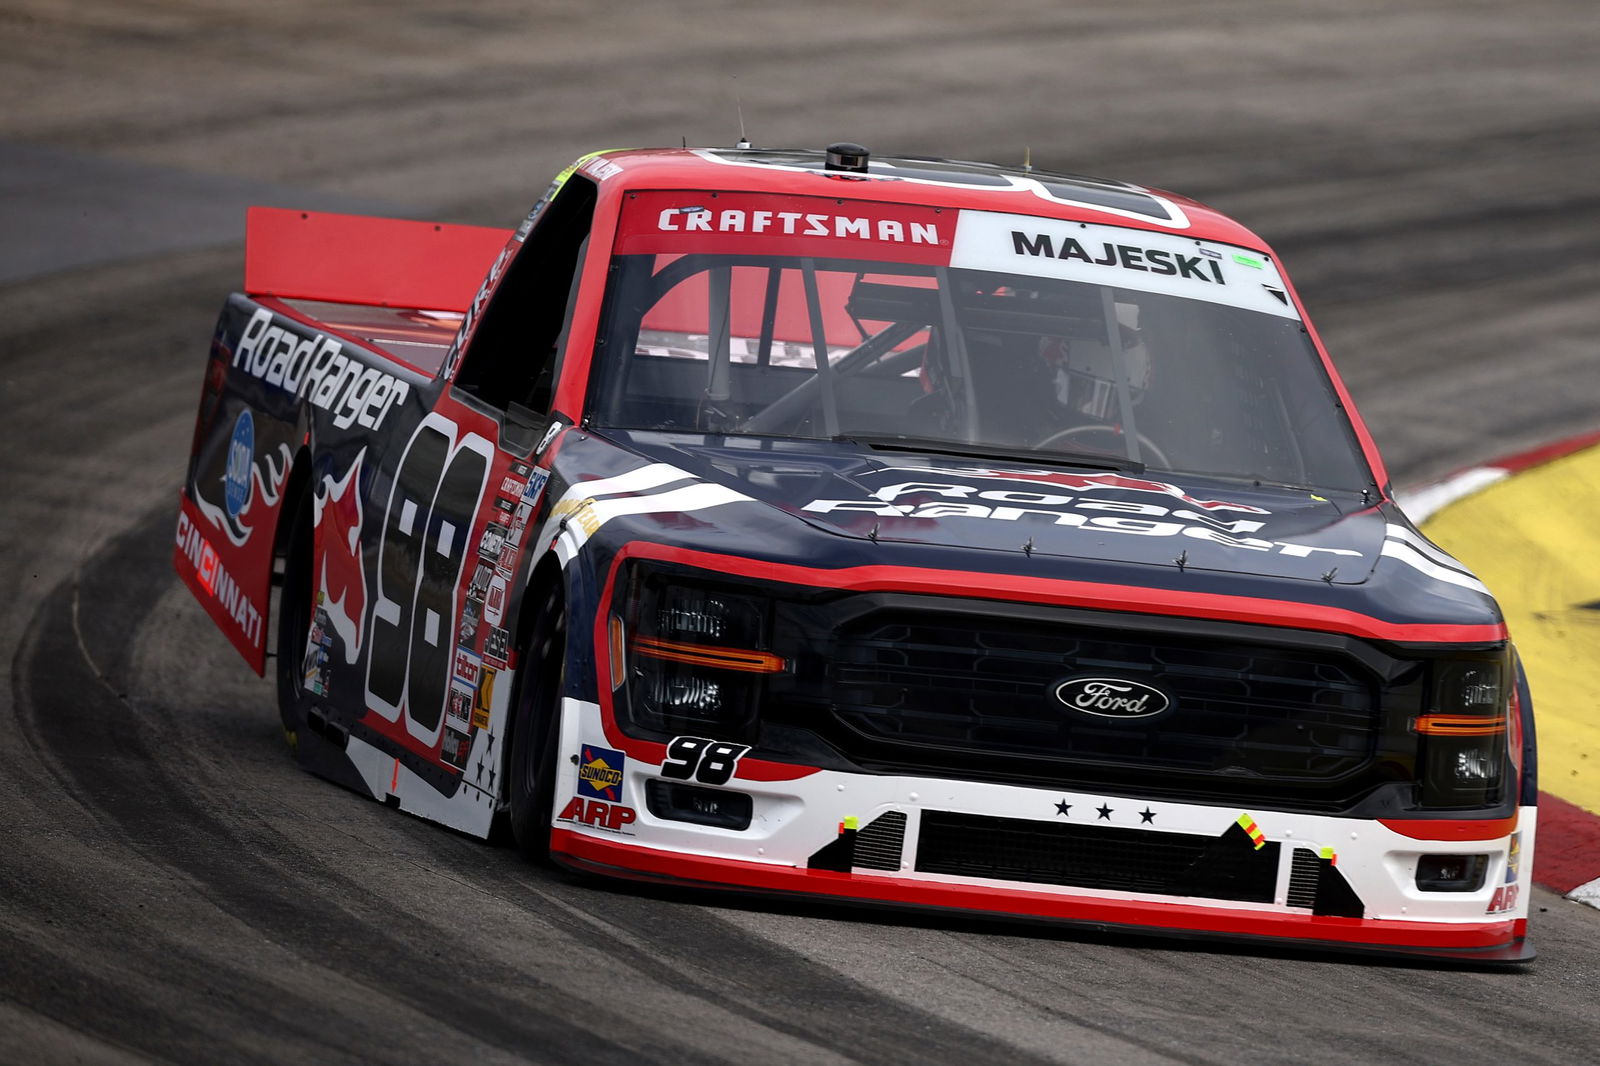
[(295, 600), (531, 769)]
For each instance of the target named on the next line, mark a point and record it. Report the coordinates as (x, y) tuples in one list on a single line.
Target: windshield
[(1099, 344)]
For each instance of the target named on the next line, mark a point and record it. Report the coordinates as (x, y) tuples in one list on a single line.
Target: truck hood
[(1175, 520)]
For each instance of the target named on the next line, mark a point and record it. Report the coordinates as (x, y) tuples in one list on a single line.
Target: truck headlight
[(692, 658), (1463, 735)]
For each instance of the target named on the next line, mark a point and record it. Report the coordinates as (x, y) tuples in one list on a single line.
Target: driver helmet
[(1086, 371)]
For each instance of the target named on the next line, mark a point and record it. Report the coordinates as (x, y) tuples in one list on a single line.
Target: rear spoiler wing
[(357, 259)]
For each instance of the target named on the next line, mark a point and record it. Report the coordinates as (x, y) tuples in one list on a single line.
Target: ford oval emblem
[(1112, 697)]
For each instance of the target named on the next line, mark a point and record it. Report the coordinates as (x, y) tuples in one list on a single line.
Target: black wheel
[(295, 599), (536, 719)]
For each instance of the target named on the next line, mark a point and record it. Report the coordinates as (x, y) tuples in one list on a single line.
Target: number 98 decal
[(710, 762), (426, 538)]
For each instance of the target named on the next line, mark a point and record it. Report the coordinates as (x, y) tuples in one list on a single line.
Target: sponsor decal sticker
[(458, 708), (494, 600), (468, 628), (217, 581), (240, 475), (478, 587), (600, 773), (612, 817), (314, 368), (769, 223), (496, 647), (467, 668), (484, 702), (455, 747), (1118, 257), (494, 538)]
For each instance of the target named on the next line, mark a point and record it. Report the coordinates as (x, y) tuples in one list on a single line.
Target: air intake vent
[(1228, 866), (1304, 871), (880, 844)]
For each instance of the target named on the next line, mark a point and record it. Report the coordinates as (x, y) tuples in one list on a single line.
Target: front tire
[(531, 772)]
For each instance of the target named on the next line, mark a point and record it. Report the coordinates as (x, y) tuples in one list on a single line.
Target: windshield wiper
[(1079, 460)]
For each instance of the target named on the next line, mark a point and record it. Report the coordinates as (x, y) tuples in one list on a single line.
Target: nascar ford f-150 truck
[(898, 531)]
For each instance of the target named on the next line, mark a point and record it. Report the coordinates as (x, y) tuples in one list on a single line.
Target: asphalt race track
[(173, 888)]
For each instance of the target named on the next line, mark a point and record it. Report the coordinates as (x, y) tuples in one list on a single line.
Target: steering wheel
[(1147, 448)]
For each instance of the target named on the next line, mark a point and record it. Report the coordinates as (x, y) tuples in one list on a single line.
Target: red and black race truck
[(907, 532)]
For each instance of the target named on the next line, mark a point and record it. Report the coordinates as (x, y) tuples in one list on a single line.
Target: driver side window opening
[(512, 356)]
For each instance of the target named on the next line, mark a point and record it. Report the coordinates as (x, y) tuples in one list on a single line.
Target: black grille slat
[(1102, 857), (1259, 711)]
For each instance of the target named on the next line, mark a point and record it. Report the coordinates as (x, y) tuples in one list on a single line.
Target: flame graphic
[(341, 572), (266, 490)]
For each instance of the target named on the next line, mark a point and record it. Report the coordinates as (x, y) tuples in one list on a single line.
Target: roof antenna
[(744, 142), (1027, 159), (685, 137)]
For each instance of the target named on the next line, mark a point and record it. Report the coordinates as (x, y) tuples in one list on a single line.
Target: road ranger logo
[(1126, 256), (796, 224), (1106, 697), (315, 368)]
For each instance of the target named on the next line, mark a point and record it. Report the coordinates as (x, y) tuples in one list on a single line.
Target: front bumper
[(1105, 862)]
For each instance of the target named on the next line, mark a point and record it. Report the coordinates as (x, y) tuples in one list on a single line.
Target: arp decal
[(426, 539), (612, 817), (1505, 899), (600, 773)]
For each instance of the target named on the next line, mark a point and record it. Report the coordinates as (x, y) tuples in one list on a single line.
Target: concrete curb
[(1568, 855), (1425, 501)]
